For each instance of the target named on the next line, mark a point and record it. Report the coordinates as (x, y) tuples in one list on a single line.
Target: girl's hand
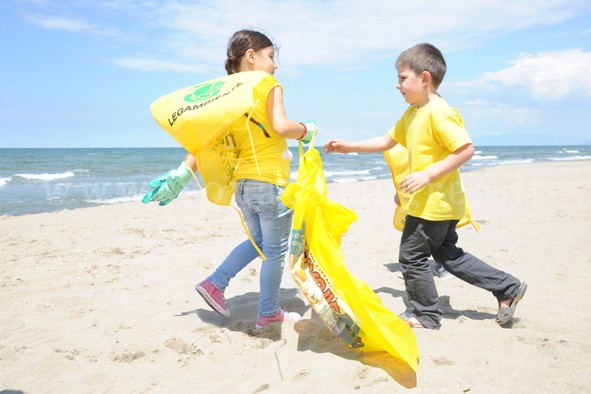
[(415, 181), (168, 186), (311, 130)]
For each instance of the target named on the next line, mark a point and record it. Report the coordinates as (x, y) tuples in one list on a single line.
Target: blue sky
[(83, 73)]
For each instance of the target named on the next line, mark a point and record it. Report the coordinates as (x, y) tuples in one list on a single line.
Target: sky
[(83, 73)]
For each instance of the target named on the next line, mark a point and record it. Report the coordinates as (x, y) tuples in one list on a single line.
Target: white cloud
[(336, 33), (146, 64), (485, 113), (59, 23), (547, 75), (76, 25)]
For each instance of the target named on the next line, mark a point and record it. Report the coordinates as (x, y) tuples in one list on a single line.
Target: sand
[(102, 299)]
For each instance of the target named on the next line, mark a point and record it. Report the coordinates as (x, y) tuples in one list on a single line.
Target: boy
[(438, 145)]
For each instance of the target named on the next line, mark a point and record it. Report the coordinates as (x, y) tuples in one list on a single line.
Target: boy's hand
[(415, 181), (338, 146)]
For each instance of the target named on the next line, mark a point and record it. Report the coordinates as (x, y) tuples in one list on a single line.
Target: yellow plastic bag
[(397, 159), (345, 303), (199, 117)]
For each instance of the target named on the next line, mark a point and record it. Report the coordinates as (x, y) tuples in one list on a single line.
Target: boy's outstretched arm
[(378, 144), (416, 180)]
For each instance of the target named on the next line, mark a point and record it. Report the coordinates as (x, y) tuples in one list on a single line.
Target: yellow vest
[(202, 118)]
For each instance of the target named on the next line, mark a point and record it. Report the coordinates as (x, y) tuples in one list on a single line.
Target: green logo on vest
[(204, 91)]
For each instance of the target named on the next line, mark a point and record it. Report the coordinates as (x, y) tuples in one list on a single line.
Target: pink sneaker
[(281, 317), (213, 296)]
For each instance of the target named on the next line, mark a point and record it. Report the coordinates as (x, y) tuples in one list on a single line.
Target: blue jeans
[(269, 223)]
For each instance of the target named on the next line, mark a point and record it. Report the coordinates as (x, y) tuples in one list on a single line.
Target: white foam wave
[(481, 164), (115, 200), (46, 177), (570, 158), (568, 151), (339, 173), (351, 179), (132, 198), (517, 161), (4, 181), (491, 157)]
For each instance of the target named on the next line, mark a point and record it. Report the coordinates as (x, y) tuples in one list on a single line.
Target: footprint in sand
[(443, 361), (127, 356), (182, 347), (68, 354)]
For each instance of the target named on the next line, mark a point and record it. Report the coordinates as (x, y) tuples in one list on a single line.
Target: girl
[(257, 190)]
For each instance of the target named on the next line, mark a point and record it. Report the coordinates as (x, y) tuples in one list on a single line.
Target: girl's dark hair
[(242, 41), (424, 57)]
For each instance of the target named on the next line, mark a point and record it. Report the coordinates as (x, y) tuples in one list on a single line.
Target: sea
[(48, 180)]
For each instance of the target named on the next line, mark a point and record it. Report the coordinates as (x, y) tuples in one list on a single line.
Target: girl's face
[(412, 86), (264, 60)]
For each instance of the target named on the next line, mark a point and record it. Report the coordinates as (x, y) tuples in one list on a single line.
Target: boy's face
[(412, 86)]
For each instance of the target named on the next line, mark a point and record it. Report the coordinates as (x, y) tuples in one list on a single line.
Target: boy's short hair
[(424, 57)]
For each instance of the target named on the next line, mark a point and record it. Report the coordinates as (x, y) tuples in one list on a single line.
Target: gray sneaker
[(401, 272), (443, 273)]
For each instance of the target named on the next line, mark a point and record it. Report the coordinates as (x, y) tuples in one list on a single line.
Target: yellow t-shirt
[(269, 148), (397, 159), (430, 134)]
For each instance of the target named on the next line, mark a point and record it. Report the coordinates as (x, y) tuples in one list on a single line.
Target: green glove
[(312, 130), (168, 186)]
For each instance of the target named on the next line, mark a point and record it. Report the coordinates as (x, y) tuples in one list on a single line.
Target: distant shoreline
[(465, 174)]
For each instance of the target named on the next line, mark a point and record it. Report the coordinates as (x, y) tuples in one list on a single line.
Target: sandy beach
[(102, 299)]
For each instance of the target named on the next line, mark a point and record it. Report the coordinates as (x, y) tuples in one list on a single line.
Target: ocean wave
[(568, 151), (115, 200), (491, 157), (570, 158), (79, 180), (353, 179), (133, 198), (517, 161), (46, 177), (492, 164), (339, 173)]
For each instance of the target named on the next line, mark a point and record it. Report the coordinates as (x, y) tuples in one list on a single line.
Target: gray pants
[(424, 238)]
